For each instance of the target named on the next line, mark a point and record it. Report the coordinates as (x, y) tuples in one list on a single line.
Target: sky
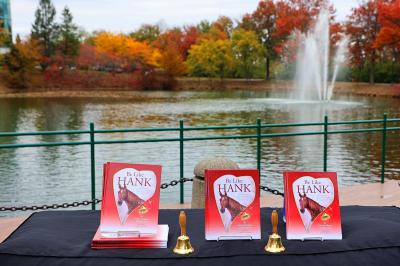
[(128, 15)]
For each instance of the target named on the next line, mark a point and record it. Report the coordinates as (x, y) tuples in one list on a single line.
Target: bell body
[(274, 244), (183, 246)]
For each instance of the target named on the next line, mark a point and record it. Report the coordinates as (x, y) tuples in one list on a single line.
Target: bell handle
[(182, 222), (274, 221)]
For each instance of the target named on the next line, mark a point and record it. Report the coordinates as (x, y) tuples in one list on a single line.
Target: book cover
[(312, 205), (131, 194), (232, 207)]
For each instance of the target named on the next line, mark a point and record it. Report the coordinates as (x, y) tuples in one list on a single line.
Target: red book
[(113, 240), (312, 205), (232, 207), (131, 194)]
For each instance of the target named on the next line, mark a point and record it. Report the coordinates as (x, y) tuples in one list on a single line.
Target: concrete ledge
[(373, 194)]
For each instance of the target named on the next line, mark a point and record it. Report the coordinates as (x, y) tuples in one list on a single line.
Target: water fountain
[(312, 69)]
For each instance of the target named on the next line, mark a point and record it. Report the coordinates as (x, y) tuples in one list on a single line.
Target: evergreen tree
[(44, 29), (69, 36)]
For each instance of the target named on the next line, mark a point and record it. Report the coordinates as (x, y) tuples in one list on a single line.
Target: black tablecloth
[(371, 236)]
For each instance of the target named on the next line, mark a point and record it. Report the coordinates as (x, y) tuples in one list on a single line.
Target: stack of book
[(103, 240), (129, 211)]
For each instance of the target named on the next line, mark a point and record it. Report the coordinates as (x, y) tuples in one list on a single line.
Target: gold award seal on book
[(274, 244), (325, 217), (245, 216), (143, 209), (183, 246)]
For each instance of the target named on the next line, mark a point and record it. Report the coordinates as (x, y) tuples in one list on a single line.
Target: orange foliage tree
[(131, 51), (174, 45), (21, 61), (171, 61)]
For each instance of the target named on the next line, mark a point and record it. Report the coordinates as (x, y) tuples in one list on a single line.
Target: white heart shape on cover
[(238, 200), (131, 189), (313, 203)]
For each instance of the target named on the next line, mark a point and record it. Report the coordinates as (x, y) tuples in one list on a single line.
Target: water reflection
[(58, 174)]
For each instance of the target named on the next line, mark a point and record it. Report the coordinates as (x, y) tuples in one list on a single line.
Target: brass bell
[(274, 244), (183, 246)]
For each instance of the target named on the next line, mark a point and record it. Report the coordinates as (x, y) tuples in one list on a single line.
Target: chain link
[(97, 201), (273, 191), (175, 182), (53, 206)]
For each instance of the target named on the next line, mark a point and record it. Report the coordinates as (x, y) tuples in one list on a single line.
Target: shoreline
[(201, 84)]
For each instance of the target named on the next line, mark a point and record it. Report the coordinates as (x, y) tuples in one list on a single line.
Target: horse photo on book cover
[(312, 206), (312, 197), (132, 188), (232, 207), (233, 195)]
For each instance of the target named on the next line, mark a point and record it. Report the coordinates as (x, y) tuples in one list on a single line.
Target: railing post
[(181, 163), (383, 154), (259, 145), (325, 143), (92, 166)]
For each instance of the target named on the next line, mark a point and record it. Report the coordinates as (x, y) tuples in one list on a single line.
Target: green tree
[(247, 52), (21, 62), (204, 26), (68, 43), (211, 58), (147, 32), (44, 28)]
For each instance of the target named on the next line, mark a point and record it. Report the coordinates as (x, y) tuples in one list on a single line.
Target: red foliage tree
[(389, 33), (274, 21), (362, 28)]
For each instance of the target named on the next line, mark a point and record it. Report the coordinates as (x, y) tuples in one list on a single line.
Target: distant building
[(5, 21)]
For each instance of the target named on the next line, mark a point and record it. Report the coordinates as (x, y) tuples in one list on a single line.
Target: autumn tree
[(44, 29), (362, 28), (5, 41), (21, 61), (274, 21), (171, 61), (68, 42), (131, 51), (190, 37), (389, 34), (5, 36), (181, 39), (211, 58), (224, 24), (216, 32), (247, 52), (263, 22)]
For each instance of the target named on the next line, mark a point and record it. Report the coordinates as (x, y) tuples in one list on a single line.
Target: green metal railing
[(259, 135)]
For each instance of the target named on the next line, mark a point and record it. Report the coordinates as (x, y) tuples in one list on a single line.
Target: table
[(371, 236)]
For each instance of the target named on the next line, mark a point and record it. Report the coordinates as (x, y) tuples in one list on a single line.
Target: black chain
[(97, 201), (175, 182), (53, 206), (273, 191)]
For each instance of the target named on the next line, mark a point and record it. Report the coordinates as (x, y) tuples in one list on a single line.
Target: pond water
[(48, 175)]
